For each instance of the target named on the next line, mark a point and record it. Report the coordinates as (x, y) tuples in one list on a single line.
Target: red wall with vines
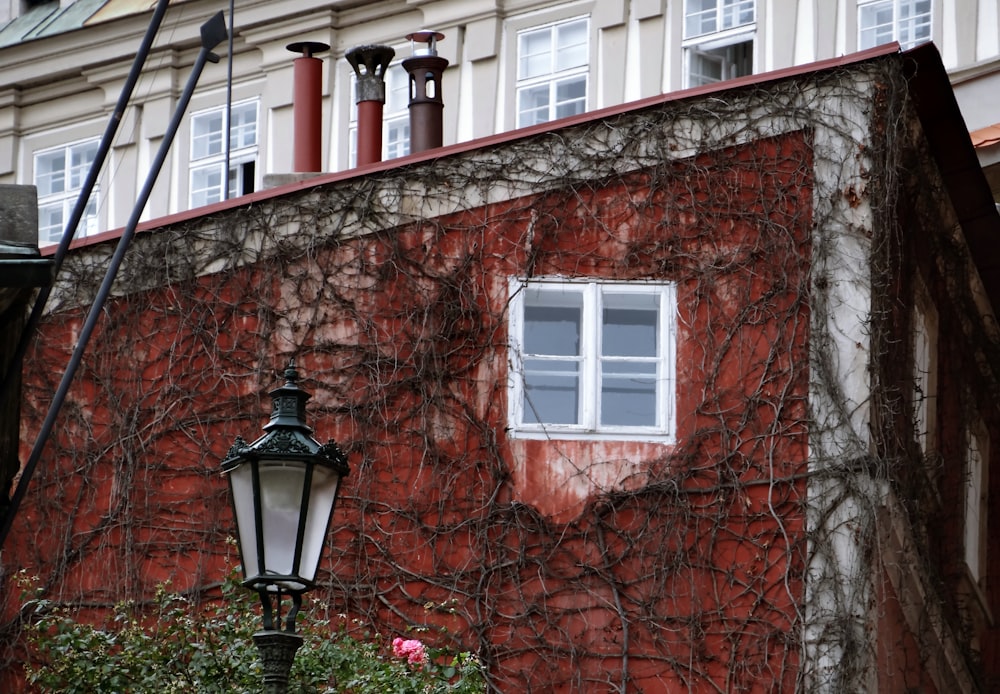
[(686, 574)]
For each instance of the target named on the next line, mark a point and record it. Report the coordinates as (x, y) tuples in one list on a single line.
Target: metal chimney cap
[(425, 36), (374, 58), (307, 48)]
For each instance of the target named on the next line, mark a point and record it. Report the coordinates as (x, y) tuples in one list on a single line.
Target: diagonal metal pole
[(14, 368), (212, 33)]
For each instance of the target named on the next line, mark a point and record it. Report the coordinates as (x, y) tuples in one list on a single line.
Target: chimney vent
[(370, 64), (307, 106), (426, 105)]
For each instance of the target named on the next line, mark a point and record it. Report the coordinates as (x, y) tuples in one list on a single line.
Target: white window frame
[(395, 115), (590, 361), (554, 78), (65, 199), (976, 499), (865, 7), (712, 44), (214, 162)]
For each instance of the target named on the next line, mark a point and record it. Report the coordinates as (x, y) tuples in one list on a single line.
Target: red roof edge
[(488, 141)]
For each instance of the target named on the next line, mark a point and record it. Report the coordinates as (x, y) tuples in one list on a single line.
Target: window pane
[(914, 22), (700, 17), (533, 105), (628, 394), (876, 24), (629, 332), (736, 13), (571, 97), (50, 173), (552, 330), (571, 45), (535, 53), (243, 132), (206, 135), (88, 225), (552, 321), (397, 89), (81, 157), (551, 392), (206, 186), (50, 222), (397, 137)]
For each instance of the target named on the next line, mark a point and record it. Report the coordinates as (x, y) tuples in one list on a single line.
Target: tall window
[(552, 64), (59, 175), (925, 334), (884, 21), (718, 40), (208, 154), (395, 116), (591, 358), (976, 494)]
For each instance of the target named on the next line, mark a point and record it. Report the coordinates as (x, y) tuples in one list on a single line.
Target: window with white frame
[(208, 153), (395, 116), (976, 494), (59, 176), (925, 332), (591, 359), (718, 40), (884, 21), (552, 67)]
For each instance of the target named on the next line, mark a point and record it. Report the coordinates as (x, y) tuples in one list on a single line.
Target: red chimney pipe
[(369, 94), (426, 105), (307, 107)]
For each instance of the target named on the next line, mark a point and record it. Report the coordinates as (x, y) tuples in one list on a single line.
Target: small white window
[(718, 40), (884, 21), (208, 156), (395, 115), (976, 495), (592, 358), (59, 176), (552, 65)]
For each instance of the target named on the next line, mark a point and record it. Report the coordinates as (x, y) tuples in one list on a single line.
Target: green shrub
[(171, 646)]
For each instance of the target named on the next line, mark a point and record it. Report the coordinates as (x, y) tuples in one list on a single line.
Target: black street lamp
[(283, 488)]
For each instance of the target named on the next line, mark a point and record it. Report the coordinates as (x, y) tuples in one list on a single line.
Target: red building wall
[(687, 574)]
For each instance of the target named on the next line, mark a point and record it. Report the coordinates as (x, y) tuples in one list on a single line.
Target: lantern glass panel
[(321, 500), (241, 483), (281, 486)]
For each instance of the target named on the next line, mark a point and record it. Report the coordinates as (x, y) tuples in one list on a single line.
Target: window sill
[(721, 39), (556, 434)]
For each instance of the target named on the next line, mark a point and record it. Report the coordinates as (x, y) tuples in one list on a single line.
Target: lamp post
[(283, 488)]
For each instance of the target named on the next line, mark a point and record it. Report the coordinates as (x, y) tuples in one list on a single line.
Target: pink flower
[(411, 649)]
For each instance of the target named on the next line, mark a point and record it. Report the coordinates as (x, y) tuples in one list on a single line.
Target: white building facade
[(512, 64)]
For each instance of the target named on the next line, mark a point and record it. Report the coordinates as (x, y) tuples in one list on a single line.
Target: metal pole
[(229, 102), (212, 33), (89, 182), (277, 647), (277, 653)]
